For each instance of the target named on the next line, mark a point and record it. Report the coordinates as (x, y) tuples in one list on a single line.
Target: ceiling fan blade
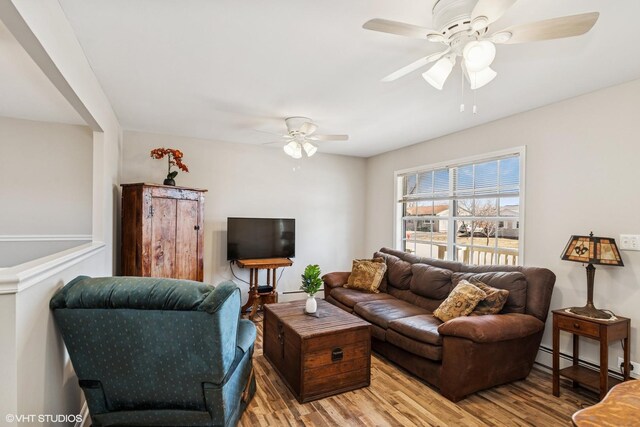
[(271, 133), (414, 66), (308, 128), (555, 28), (399, 28), (488, 11), (274, 142), (329, 137)]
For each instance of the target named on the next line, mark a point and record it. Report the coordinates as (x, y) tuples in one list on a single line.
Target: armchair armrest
[(336, 279), (246, 334), (492, 327)]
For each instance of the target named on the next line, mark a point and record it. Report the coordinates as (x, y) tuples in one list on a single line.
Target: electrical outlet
[(635, 367)]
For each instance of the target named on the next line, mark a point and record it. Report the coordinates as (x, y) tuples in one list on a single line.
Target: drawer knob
[(576, 325), (336, 354)]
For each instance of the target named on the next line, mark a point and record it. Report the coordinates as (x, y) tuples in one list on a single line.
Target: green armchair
[(158, 352)]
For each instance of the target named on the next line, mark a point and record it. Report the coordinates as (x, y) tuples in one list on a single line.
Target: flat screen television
[(250, 238)]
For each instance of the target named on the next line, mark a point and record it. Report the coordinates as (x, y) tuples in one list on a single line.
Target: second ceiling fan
[(463, 27), (301, 136)]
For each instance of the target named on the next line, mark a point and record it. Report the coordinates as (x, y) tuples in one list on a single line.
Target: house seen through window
[(468, 212)]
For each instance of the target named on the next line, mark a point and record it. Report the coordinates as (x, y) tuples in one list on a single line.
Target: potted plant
[(311, 283), (174, 158)]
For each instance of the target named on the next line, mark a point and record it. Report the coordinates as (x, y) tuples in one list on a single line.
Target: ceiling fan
[(463, 27), (301, 135)]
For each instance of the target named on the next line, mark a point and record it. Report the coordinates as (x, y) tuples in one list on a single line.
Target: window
[(469, 211)]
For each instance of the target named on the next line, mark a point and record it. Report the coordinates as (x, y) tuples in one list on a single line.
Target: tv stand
[(259, 295)]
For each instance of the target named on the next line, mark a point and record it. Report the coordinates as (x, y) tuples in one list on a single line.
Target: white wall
[(46, 178), (581, 175), (324, 193), (45, 188), (36, 372)]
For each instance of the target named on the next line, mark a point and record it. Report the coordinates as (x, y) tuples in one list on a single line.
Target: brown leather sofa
[(465, 354)]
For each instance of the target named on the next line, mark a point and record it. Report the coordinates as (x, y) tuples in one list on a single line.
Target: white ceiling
[(222, 69), (25, 91)]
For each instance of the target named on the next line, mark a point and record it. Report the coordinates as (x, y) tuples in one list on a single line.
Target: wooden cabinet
[(162, 231)]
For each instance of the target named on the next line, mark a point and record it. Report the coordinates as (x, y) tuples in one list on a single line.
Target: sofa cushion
[(428, 304), (382, 312), (366, 274), (492, 327), (378, 333), (460, 302), (430, 282), (423, 327), (338, 304), (493, 302), (428, 351), (513, 281), (351, 297), (398, 271)]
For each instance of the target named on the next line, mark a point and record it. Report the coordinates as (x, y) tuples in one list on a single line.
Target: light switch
[(630, 242)]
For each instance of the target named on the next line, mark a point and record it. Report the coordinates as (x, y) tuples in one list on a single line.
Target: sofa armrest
[(492, 327), (336, 279)]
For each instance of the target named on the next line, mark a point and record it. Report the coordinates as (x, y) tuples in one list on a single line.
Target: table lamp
[(591, 250)]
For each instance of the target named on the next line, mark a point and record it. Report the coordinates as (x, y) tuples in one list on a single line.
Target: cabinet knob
[(196, 227), (576, 325)]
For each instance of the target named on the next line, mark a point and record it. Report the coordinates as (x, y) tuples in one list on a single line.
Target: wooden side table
[(600, 330), (256, 296)]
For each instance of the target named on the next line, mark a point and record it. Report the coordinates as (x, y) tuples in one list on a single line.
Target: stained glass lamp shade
[(592, 250)]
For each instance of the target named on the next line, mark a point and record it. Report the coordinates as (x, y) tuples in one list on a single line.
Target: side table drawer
[(578, 326)]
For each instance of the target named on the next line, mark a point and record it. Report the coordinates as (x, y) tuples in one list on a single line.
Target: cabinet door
[(187, 240), (163, 237)]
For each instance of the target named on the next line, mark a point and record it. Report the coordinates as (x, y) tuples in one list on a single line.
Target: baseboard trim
[(45, 237), (297, 295), (545, 360)]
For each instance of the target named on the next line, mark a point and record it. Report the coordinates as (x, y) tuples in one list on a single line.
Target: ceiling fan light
[(309, 148), (501, 37), (293, 149), (478, 55), (477, 79), (435, 37), (479, 23), (438, 74)]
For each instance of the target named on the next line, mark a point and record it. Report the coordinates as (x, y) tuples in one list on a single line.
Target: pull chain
[(475, 92), (462, 91), (475, 107)]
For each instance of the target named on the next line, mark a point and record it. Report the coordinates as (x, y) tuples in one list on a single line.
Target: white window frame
[(398, 193)]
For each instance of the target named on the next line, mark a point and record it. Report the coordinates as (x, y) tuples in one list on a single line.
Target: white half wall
[(47, 182), (324, 193), (581, 176)]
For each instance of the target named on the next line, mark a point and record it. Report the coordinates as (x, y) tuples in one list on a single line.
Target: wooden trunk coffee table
[(317, 356)]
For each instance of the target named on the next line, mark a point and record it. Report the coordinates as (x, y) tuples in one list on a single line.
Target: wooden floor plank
[(397, 398)]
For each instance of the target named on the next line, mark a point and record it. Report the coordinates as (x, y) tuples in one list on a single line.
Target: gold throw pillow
[(460, 302), (495, 300), (366, 274)]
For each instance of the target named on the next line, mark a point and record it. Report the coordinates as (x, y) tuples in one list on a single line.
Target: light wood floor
[(396, 398)]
